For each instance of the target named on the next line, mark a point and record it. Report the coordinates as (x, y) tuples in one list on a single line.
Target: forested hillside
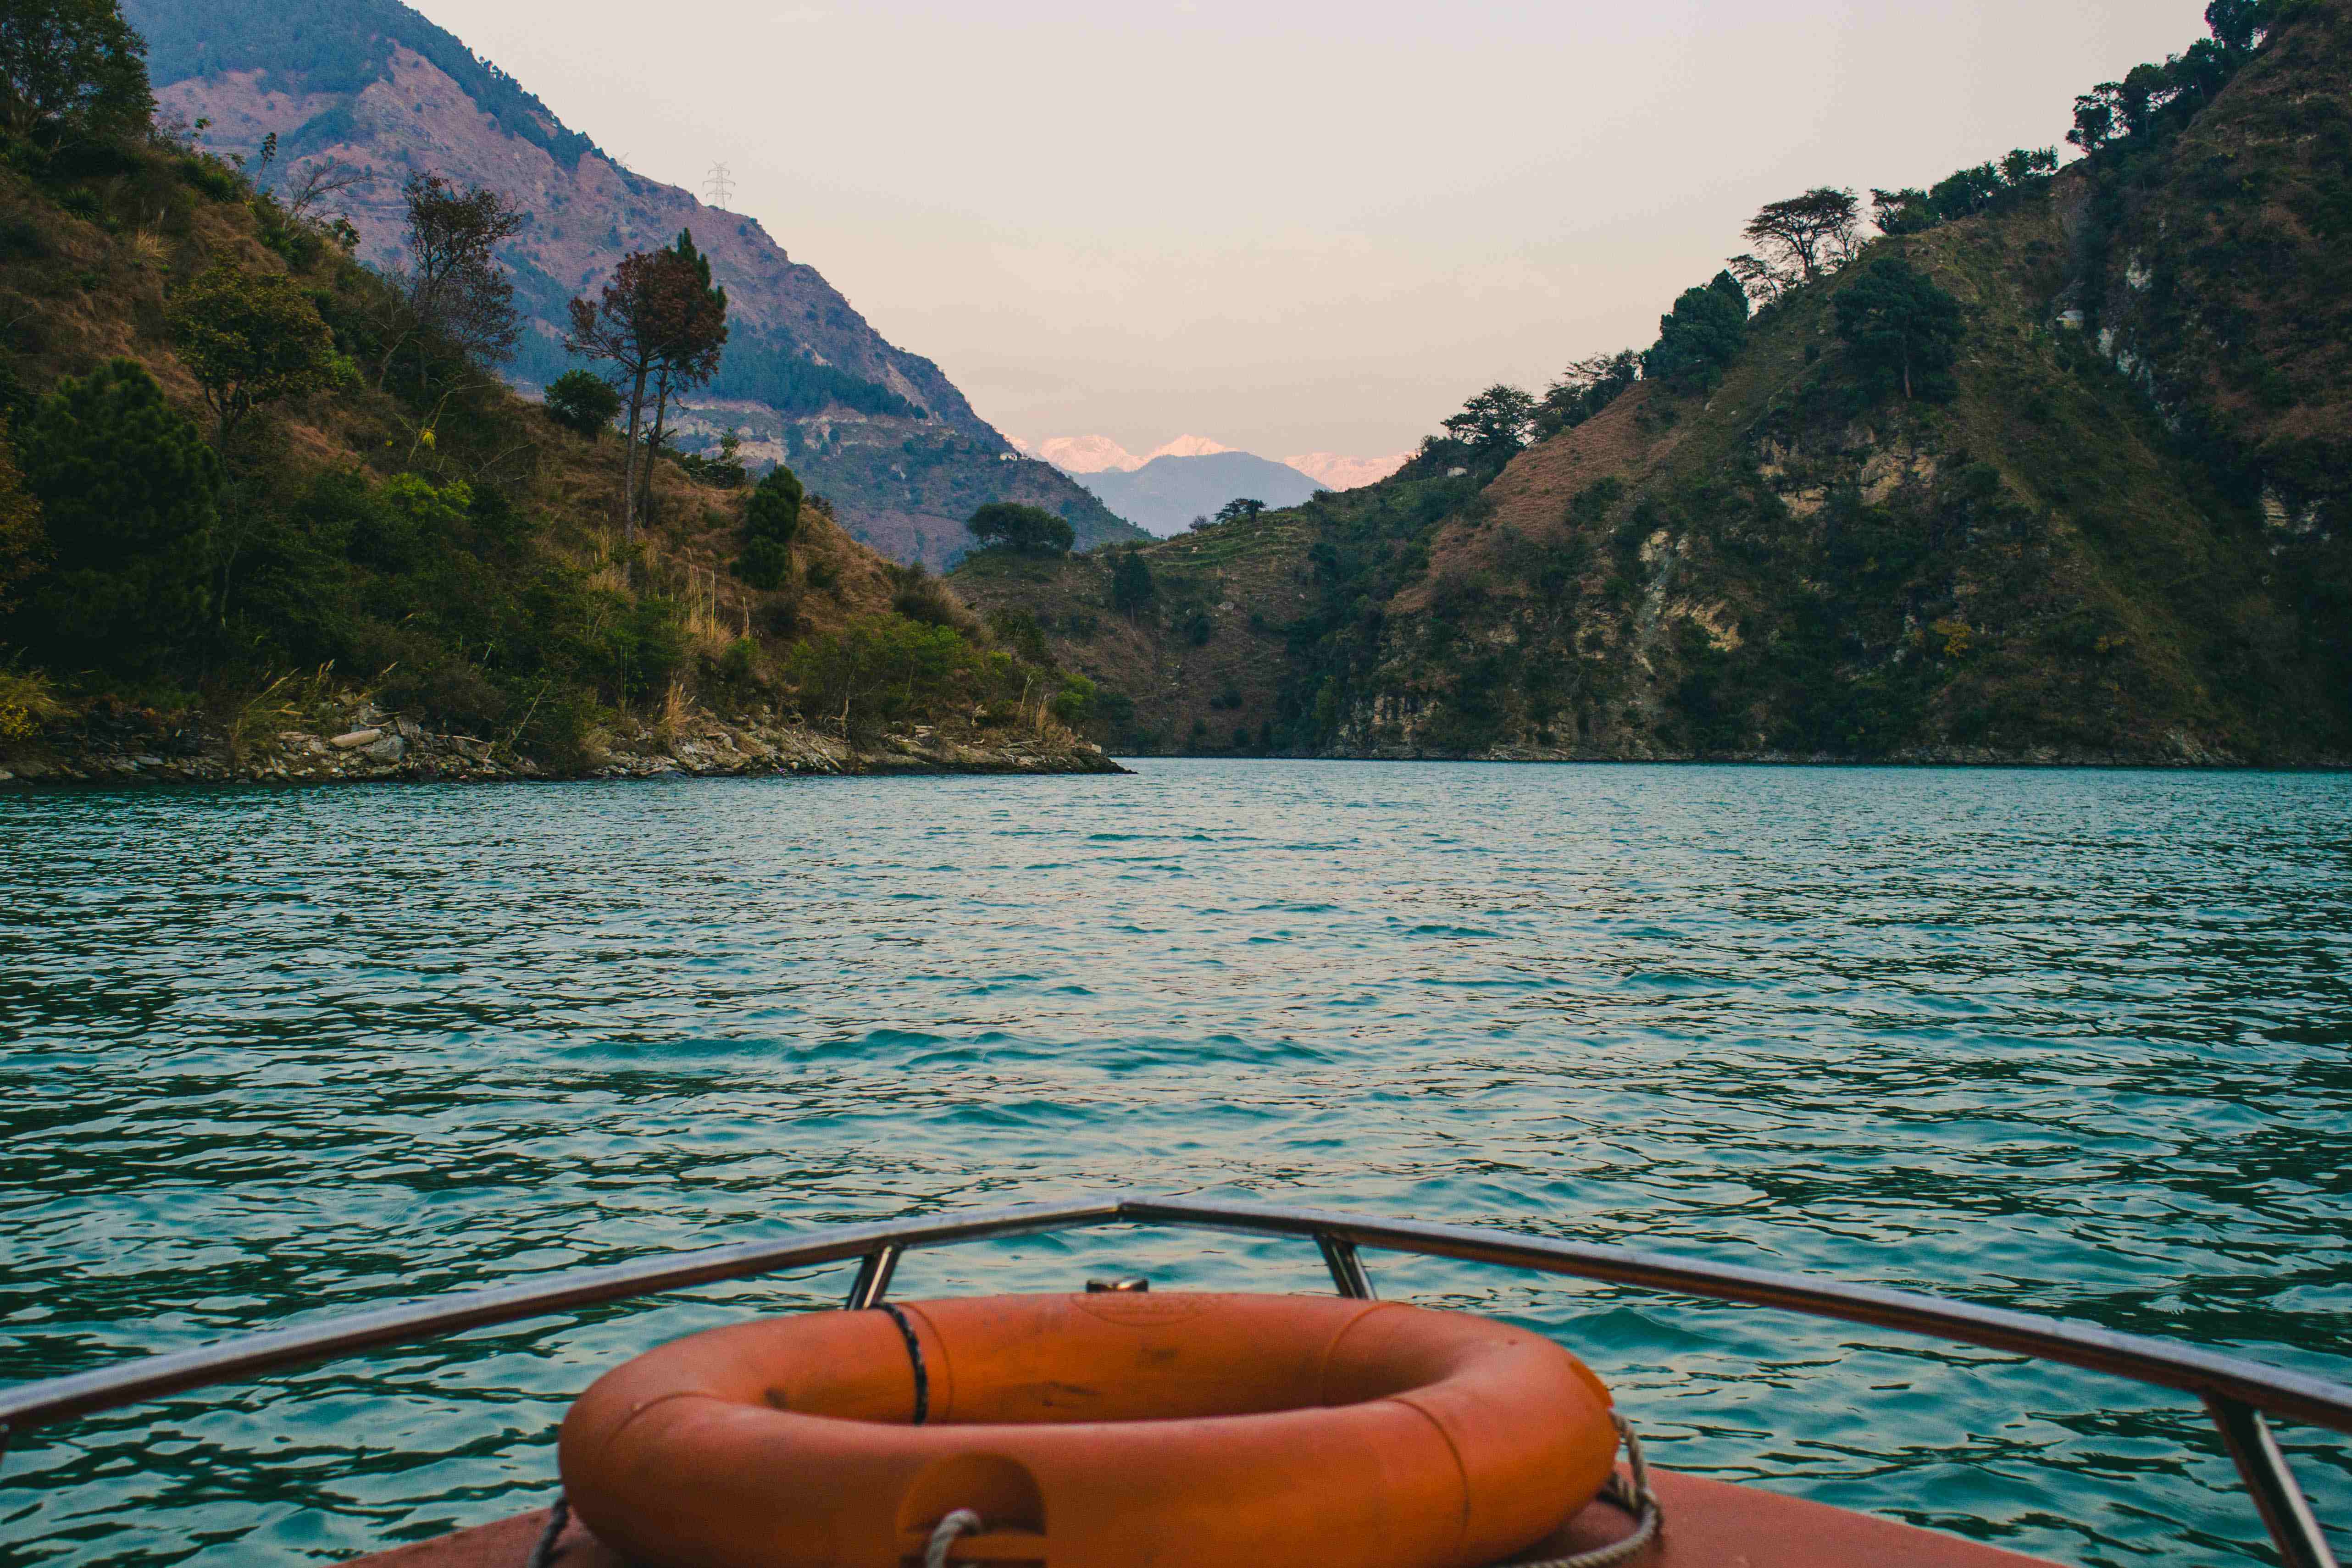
[(2052, 466), (372, 92), (265, 510)]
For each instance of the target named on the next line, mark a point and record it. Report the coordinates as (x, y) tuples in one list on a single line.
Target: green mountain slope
[(373, 86), (426, 577), (2120, 540)]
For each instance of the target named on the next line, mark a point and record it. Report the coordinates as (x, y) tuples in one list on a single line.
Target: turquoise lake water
[(2071, 1042)]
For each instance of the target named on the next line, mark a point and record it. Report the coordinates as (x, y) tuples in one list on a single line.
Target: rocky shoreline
[(357, 743), (363, 744), (2175, 749)]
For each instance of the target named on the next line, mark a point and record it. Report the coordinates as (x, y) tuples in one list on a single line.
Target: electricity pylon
[(720, 187)]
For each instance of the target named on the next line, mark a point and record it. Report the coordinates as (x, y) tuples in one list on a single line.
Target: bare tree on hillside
[(305, 196), (1764, 282), (453, 286)]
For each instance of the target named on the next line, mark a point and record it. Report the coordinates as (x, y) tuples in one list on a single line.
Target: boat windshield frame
[(2239, 1396)]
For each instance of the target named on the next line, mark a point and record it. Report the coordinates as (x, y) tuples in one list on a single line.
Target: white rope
[(963, 1522), (1636, 1500)]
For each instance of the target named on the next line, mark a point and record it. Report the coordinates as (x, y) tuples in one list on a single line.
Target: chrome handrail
[(2237, 1393)]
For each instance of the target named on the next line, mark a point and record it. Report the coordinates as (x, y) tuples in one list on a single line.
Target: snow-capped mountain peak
[(1189, 446), (1083, 453), (1339, 472)]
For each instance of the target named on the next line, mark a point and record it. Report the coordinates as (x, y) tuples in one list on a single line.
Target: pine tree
[(1131, 587), (1703, 333), (771, 520), (1901, 331), (662, 327), (128, 489), (24, 540), (697, 334)]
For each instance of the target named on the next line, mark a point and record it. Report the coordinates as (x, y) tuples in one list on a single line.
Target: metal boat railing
[(2237, 1393)]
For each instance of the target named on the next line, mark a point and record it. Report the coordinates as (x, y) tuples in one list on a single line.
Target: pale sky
[(1292, 225)]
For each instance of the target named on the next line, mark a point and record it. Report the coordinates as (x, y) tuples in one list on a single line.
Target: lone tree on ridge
[(1025, 530), (1800, 240)]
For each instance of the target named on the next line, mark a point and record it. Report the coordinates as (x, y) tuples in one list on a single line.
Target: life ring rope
[(963, 1522), (1635, 1497), (915, 1355), (547, 1551)]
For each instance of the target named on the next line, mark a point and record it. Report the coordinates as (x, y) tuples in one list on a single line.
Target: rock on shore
[(113, 744)]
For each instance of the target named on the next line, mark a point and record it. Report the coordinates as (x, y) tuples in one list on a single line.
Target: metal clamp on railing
[(1347, 1276), (873, 1281)]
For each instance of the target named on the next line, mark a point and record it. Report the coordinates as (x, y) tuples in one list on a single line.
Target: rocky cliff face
[(2123, 540), (2217, 275), (372, 85)]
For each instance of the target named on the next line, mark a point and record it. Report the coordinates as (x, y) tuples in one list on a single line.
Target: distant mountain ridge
[(806, 380), (1081, 454), (1167, 494), (1100, 454), (1336, 471)]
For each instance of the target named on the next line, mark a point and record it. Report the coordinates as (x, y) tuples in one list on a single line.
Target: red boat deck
[(1709, 1524)]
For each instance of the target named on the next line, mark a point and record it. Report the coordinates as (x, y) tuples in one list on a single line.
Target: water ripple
[(2069, 1042)]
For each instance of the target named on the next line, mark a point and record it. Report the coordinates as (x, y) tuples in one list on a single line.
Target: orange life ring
[(1092, 1431)]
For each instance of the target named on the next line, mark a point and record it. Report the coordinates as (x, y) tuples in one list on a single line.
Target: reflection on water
[(2065, 1041)]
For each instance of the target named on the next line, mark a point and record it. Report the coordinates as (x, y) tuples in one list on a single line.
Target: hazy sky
[(1293, 225)]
